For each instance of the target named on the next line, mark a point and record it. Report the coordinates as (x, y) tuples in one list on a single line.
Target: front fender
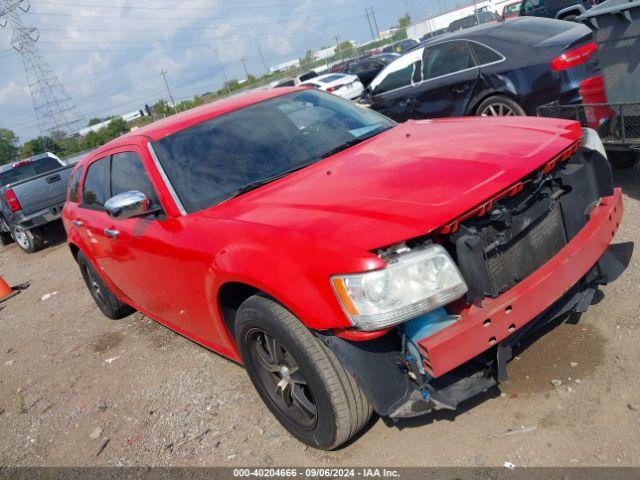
[(293, 268)]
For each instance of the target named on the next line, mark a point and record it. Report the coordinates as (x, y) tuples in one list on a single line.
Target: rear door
[(449, 77)]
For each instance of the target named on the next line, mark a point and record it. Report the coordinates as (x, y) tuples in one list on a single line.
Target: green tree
[(41, 145), (403, 23), (162, 108), (115, 128), (9, 146), (307, 59), (94, 121)]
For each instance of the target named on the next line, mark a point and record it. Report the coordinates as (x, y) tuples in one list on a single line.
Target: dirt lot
[(78, 389)]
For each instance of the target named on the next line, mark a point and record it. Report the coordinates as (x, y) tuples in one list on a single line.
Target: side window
[(74, 185), (484, 55), (530, 5), (128, 173), (96, 189), (399, 78), (446, 58)]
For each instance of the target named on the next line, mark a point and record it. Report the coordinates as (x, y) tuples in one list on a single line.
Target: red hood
[(405, 182)]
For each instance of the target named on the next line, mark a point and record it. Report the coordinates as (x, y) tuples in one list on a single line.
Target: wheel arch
[(477, 102), (230, 296)]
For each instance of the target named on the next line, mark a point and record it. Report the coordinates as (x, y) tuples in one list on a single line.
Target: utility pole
[(224, 74), (266, 69), (54, 108), (366, 11), (375, 22), (173, 102), (244, 66), (337, 37)]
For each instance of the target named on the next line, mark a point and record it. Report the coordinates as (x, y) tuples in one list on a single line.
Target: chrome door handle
[(77, 223), (111, 233)]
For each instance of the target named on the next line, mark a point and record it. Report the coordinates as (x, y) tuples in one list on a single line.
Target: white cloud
[(111, 65)]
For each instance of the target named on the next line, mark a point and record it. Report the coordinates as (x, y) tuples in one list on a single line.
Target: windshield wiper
[(351, 143), (263, 181)]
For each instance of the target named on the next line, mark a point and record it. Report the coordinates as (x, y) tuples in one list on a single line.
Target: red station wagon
[(351, 264)]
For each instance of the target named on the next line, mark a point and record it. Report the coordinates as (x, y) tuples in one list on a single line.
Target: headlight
[(412, 284), (592, 141)]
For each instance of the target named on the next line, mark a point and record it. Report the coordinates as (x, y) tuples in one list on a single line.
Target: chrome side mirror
[(127, 205)]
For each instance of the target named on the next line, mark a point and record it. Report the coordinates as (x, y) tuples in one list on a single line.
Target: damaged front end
[(537, 252)]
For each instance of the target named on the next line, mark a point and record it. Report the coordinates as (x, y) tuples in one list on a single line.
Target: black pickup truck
[(32, 194)]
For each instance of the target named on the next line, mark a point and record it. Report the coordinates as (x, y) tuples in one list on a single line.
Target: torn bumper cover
[(470, 356)]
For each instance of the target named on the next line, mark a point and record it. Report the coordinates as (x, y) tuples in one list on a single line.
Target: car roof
[(174, 123)]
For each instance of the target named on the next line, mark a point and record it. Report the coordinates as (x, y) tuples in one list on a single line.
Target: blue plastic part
[(422, 327), (426, 325)]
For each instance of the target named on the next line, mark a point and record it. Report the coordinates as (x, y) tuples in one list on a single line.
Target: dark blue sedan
[(503, 68)]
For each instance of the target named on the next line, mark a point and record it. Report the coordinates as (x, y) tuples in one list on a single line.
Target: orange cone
[(5, 290)]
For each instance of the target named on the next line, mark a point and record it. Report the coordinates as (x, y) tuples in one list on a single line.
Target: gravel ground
[(79, 389)]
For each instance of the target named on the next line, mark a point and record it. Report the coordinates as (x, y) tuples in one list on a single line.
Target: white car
[(345, 86)]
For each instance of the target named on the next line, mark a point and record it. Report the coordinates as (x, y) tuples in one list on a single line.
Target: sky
[(108, 54)]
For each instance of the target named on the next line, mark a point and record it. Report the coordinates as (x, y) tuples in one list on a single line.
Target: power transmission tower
[(54, 108)]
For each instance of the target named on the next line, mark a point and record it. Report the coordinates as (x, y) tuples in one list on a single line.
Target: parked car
[(401, 46), (436, 33), (293, 81), (511, 10), (477, 18), (560, 9), (344, 66), (32, 192), (502, 68), (345, 86), (367, 69), (351, 264)]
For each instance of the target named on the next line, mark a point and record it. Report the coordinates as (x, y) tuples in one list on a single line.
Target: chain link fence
[(618, 124)]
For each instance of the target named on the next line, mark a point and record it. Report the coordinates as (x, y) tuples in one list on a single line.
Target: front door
[(449, 77)]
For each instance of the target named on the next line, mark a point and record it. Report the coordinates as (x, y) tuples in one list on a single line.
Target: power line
[(52, 104)]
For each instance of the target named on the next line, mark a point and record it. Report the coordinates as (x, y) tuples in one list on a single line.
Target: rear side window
[(74, 185), (446, 58), (397, 79), (96, 188), (27, 169), (128, 173), (484, 55)]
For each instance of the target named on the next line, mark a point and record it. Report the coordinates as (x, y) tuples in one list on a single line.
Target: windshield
[(26, 169), (216, 159)]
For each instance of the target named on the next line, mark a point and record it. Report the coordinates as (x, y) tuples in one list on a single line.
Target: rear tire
[(29, 241), (299, 378), (5, 233), (499, 106), (107, 302)]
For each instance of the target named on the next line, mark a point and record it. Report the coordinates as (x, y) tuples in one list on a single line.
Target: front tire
[(29, 241), (499, 106), (299, 378), (107, 302)]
